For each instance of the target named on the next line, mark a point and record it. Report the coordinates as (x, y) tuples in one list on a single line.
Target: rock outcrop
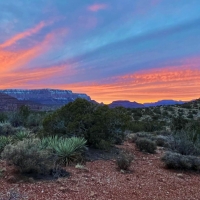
[(9, 103), (46, 97)]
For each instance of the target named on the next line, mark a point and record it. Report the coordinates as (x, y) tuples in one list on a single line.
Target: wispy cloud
[(10, 60), (97, 7), (24, 34)]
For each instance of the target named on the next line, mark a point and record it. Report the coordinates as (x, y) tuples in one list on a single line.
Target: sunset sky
[(137, 50)]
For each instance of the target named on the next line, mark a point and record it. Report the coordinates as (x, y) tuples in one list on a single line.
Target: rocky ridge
[(8, 103), (45, 96)]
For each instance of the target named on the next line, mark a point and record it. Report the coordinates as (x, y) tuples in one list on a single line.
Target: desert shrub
[(124, 161), (141, 135), (16, 119), (185, 143), (137, 112), (194, 112), (146, 145), (3, 117), (146, 126), (177, 161), (193, 125), (155, 117), (190, 116), (187, 106), (3, 142), (28, 156), (6, 128), (162, 141), (85, 119), (178, 123), (104, 145), (132, 137), (34, 120), (67, 150)]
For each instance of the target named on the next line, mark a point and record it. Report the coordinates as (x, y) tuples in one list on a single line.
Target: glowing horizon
[(141, 51)]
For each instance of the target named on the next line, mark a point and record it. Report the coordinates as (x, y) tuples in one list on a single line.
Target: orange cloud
[(27, 78), (97, 7), (24, 34), (10, 60), (152, 85)]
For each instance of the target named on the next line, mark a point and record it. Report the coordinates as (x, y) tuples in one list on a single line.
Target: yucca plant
[(21, 135), (3, 142), (70, 150), (50, 142)]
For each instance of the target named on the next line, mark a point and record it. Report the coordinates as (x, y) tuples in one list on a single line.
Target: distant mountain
[(8, 103), (128, 104), (164, 103), (125, 104), (49, 97)]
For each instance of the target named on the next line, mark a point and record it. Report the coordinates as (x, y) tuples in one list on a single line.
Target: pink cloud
[(97, 7)]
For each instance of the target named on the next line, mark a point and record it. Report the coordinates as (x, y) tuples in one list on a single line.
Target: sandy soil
[(148, 179)]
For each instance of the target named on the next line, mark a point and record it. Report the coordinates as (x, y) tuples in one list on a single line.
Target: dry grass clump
[(147, 145), (28, 156), (124, 161), (177, 161)]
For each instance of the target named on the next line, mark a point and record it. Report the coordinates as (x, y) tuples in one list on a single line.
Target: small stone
[(63, 189), (180, 175), (92, 194), (59, 180)]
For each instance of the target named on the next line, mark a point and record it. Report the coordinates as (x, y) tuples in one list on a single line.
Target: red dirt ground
[(148, 180)]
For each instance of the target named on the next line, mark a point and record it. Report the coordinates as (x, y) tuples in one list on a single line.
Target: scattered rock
[(92, 194), (180, 176), (63, 189)]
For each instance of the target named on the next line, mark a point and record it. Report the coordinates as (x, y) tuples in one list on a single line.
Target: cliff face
[(45, 96), (8, 103)]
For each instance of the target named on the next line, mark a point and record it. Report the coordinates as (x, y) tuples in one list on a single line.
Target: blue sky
[(143, 50)]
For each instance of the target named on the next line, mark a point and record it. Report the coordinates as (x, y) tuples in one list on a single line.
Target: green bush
[(34, 120), (178, 123), (3, 142), (185, 142), (146, 126), (3, 117), (28, 156), (146, 145), (133, 137), (95, 123), (162, 141), (124, 161), (16, 119), (6, 129), (177, 161)]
